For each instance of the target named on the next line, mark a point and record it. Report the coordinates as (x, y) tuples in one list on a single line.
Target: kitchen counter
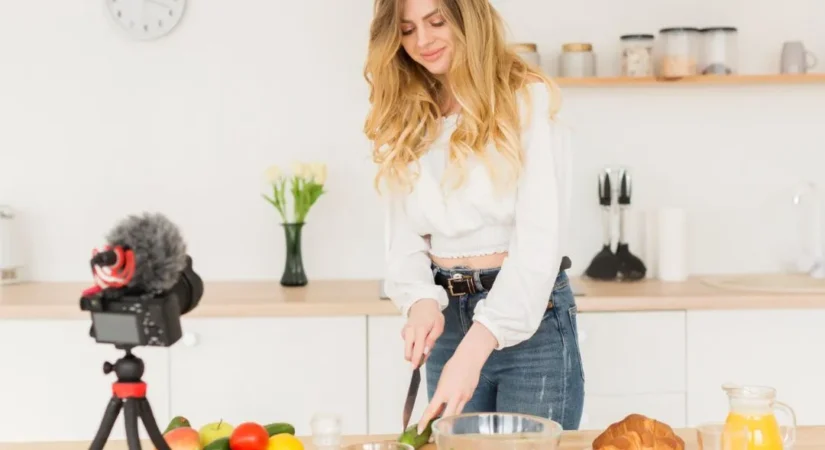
[(808, 438), (52, 300)]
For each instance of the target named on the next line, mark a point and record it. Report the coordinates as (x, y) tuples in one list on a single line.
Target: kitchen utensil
[(808, 201), (605, 265), (496, 431), (630, 267), (796, 59), (753, 407), (379, 445), (412, 393), (718, 436)]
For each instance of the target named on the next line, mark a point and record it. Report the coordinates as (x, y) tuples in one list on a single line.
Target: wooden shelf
[(809, 78)]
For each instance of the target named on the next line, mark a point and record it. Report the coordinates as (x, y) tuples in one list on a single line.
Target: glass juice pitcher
[(754, 408)]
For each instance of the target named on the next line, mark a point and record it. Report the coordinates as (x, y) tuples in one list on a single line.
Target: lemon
[(284, 441)]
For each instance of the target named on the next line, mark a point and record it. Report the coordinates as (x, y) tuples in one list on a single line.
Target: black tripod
[(128, 393)]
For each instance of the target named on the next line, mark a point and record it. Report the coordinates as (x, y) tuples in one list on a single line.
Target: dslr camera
[(130, 316)]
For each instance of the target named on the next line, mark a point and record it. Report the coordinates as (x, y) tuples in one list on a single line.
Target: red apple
[(183, 438)]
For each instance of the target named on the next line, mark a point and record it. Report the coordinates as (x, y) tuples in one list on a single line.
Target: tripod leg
[(132, 436), (106, 424), (151, 424)]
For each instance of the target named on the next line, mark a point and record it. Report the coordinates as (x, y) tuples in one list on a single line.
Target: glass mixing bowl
[(496, 431)]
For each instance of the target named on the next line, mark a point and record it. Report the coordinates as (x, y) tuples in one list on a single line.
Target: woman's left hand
[(460, 375)]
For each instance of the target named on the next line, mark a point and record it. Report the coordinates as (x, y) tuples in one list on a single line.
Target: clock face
[(146, 19)]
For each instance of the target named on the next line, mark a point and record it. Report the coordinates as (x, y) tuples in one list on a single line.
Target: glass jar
[(637, 55), (528, 51), (577, 60), (719, 51), (679, 52)]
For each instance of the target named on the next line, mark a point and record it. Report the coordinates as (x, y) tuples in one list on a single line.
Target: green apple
[(215, 430)]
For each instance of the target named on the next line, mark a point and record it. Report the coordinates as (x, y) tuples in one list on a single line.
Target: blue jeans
[(542, 376)]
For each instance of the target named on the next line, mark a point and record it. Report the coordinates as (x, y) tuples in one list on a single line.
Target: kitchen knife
[(412, 393)]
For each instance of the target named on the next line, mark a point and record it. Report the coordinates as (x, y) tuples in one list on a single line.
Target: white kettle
[(11, 264)]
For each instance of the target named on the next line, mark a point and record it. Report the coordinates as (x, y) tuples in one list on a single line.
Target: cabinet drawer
[(633, 353), (601, 411)]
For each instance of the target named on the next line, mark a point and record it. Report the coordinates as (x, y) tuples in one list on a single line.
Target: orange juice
[(763, 430)]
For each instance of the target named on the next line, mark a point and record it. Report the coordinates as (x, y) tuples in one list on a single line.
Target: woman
[(478, 176)]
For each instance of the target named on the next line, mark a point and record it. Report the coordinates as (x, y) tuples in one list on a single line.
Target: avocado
[(411, 436), (279, 428), (218, 444), (177, 422)]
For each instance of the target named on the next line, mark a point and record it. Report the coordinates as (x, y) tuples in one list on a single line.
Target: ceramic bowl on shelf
[(496, 431)]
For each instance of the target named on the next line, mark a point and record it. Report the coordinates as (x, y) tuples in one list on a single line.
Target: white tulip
[(273, 174), (319, 172)]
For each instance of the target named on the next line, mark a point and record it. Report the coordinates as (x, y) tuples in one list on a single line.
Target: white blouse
[(529, 223)]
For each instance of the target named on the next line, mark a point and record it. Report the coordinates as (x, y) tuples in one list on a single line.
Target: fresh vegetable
[(411, 436), (183, 438), (177, 422), (279, 428), (218, 444), (249, 436), (284, 441)]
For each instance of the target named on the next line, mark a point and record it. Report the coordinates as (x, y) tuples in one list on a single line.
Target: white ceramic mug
[(796, 59)]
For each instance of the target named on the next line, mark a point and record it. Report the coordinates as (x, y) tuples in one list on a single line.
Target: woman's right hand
[(425, 323)]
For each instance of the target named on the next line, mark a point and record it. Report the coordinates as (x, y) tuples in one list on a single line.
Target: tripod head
[(128, 369)]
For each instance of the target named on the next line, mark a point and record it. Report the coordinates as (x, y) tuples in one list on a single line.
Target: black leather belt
[(460, 284)]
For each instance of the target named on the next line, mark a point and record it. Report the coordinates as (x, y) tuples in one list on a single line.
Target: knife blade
[(412, 393)]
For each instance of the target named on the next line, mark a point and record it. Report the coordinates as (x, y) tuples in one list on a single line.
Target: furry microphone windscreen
[(159, 250)]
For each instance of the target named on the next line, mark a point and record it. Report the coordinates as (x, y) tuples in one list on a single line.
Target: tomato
[(249, 436)]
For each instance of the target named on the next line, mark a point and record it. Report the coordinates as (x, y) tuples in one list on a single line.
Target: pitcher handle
[(789, 437)]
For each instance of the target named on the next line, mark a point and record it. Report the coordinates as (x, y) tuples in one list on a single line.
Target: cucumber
[(218, 444), (411, 436), (279, 428), (177, 422)]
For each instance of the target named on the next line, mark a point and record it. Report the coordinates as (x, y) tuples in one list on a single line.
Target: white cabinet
[(389, 377), (601, 411), (633, 353), (52, 385), (778, 348), (271, 370), (634, 362)]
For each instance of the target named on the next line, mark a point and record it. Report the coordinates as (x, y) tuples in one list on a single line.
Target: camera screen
[(116, 328)]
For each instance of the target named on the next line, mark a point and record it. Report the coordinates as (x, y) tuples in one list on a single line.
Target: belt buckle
[(471, 287)]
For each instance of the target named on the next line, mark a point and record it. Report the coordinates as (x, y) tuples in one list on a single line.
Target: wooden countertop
[(362, 297), (807, 438)]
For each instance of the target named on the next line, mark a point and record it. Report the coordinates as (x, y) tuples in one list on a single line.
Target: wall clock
[(146, 19)]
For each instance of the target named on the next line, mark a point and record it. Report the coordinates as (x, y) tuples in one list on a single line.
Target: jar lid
[(632, 37), (678, 29), (524, 47), (725, 29), (577, 47)]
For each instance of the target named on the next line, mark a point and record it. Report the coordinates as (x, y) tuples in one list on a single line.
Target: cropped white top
[(529, 223)]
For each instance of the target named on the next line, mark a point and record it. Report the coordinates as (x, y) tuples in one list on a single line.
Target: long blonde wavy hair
[(485, 77)]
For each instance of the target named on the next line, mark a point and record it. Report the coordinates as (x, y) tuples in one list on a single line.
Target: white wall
[(91, 119)]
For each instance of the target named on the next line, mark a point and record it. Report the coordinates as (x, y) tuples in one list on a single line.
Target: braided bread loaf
[(637, 432)]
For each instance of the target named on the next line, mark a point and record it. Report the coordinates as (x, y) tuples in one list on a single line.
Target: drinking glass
[(718, 436)]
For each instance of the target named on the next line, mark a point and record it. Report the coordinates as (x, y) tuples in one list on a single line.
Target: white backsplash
[(97, 127)]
